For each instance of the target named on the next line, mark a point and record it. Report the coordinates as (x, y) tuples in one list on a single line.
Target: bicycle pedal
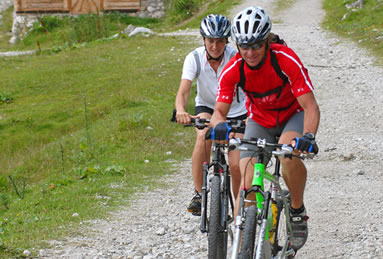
[(290, 253), (196, 213)]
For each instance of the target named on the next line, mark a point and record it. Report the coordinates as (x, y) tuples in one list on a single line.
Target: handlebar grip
[(173, 119), (208, 134)]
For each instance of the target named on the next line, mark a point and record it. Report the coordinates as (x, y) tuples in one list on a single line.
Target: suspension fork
[(221, 168), (264, 229), (238, 224), (274, 206), (203, 226), (225, 196)]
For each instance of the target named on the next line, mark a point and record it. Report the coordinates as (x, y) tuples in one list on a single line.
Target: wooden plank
[(75, 6), (122, 4), (27, 5), (85, 6), (123, 1)]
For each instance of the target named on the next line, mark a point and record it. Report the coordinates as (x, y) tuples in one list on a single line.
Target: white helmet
[(251, 25)]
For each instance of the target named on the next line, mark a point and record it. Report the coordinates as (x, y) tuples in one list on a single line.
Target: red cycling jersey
[(269, 111)]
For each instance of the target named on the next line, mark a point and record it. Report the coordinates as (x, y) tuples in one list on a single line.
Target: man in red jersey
[(279, 101)]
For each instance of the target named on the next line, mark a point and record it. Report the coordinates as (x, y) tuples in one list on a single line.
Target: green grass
[(79, 123), (363, 26), (180, 10), (6, 28), (56, 32), (216, 7)]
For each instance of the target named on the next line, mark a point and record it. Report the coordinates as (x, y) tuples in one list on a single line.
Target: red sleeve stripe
[(299, 65)]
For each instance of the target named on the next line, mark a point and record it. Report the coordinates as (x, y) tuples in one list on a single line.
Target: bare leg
[(247, 171), (294, 173), (235, 171)]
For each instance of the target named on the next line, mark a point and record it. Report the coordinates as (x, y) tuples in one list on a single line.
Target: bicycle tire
[(281, 229), (216, 246), (249, 231)]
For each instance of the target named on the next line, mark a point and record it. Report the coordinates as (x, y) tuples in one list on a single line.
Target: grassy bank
[(363, 26), (84, 125), (80, 125)]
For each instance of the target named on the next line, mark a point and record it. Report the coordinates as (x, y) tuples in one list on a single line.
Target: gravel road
[(343, 196)]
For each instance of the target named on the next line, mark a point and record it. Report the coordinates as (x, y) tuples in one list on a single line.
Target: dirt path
[(344, 191)]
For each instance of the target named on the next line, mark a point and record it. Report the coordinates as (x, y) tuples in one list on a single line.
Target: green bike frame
[(259, 174)]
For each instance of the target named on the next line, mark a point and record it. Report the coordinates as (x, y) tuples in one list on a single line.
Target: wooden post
[(18, 5)]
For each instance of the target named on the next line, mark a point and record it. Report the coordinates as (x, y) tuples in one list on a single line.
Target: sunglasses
[(254, 46)]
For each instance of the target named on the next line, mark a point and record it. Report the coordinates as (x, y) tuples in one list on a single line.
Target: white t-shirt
[(207, 82)]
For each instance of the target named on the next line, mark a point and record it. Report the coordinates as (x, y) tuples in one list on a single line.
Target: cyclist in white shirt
[(206, 63)]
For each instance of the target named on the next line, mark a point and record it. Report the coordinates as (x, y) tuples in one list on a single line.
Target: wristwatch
[(310, 136)]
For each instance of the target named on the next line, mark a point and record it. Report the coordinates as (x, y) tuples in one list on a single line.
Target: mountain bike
[(215, 219), (216, 182), (269, 211)]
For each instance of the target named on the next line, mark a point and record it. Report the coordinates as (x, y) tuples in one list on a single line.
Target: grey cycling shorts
[(254, 130)]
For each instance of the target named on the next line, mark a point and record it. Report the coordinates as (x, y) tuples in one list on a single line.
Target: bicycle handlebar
[(280, 150), (201, 123)]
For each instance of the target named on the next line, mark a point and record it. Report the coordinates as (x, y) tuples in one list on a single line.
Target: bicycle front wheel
[(249, 231), (216, 236), (281, 245)]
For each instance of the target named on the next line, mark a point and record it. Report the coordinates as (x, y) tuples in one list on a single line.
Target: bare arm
[(312, 113), (182, 101), (220, 112)]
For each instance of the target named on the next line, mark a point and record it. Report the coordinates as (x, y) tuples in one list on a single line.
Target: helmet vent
[(238, 27), (255, 27), (249, 12), (264, 30), (213, 26)]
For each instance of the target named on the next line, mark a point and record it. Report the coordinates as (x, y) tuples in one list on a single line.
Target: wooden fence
[(76, 6)]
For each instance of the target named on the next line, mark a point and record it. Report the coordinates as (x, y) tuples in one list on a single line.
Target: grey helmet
[(251, 25), (215, 26)]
